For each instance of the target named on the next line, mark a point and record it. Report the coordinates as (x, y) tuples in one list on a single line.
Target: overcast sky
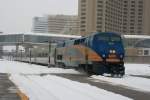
[(16, 15)]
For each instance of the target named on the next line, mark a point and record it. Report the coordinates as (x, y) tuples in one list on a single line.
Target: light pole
[(49, 51), (49, 54), (35, 53), (30, 54), (21, 54)]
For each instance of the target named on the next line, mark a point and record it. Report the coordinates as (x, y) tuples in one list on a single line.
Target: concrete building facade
[(65, 24), (40, 25), (136, 17), (122, 16), (100, 15), (60, 24)]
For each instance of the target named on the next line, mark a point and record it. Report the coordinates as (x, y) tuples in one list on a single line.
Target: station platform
[(8, 90)]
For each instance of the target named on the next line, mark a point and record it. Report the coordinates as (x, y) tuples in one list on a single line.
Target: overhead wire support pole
[(49, 56), (30, 54), (21, 51)]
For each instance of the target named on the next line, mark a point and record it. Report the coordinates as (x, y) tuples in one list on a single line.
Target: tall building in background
[(100, 15), (1, 48), (64, 24), (59, 24), (122, 16), (136, 17), (40, 24)]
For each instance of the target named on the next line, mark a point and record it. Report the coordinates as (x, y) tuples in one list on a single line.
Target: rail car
[(100, 53)]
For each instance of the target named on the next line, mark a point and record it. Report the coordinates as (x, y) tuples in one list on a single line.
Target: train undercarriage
[(98, 68)]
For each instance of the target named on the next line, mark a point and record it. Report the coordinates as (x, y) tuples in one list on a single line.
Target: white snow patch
[(13, 67), (50, 87), (137, 69), (137, 83), (55, 88)]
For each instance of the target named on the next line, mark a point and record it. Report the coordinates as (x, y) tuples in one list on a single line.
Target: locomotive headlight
[(113, 51), (110, 51), (121, 56), (103, 55)]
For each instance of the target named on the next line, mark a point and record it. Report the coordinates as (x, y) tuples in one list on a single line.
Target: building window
[(82, 22), (140, 10), (132, 16), (132, 9), (139, 20), (83, 1), (132, 24), (140, 2), (131, 20), (99, 6), (125, 5), (82, 30), (131, 31), (140, 6), (83, 26), (132, 5), (131, 27), (140, 13), (83, 18), (146, 52), (124, 23), (83, 14), (132, 13), (132, 1), (125, 12), (125, 1)]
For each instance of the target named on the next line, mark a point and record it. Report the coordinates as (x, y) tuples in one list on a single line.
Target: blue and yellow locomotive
[(100, 53)]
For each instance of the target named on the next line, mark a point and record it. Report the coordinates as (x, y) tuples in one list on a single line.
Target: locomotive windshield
[(108, 38), (115, 38), (103, 37)]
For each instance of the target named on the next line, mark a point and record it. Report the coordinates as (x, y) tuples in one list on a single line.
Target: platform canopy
[(46, 38), (137, 41), (34, 38)]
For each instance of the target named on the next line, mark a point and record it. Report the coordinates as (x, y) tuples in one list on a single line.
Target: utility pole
[(21, 54), (49, 56), (30, 54)]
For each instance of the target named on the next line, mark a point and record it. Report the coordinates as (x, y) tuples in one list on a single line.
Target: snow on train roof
[(45, 34), (137, 36)]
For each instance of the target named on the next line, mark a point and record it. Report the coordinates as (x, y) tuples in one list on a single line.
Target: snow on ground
[(138, 69), (50, 87), (137, 83), (24, 68), (56, 88)]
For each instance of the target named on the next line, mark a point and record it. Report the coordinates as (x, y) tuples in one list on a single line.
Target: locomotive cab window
[(115, 38), (107, 37), (103, 37)]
